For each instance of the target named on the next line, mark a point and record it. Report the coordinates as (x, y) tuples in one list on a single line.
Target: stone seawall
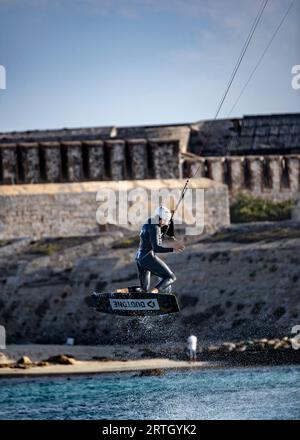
[(258, 154), (142, 152), (89, 160), (275, 177), (251, 134), (61, 210), (255, 134)]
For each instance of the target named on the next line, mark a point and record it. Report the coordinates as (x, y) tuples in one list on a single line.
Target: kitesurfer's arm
[(156, 240)]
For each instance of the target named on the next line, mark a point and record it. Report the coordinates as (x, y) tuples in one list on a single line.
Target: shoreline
[(155, 367), (97, 368), (35, 360)]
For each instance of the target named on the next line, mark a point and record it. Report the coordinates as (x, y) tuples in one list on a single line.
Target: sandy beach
[(87, 360), (36, 360), (98, 367)]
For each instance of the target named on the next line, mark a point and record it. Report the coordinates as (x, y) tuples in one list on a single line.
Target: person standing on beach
[(146, 259), (192, 347)]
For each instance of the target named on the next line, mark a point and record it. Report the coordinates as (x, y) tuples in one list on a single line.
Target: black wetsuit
[(148, 262)]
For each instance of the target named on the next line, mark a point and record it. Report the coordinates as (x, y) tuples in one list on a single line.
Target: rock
[(67, 276), (229, 346), (62, 359), (24, 360), (3, 359), (42, 364), (153, 372), (3, 365), (241, 349), (259, 346), (251, 348), (212, 348), (21, 366)]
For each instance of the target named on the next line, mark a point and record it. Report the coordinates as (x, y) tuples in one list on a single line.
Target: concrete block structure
[(69, 209), (258, 154)]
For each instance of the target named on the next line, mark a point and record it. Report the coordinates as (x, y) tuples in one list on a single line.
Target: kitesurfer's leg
[(159, 268), (167, 288), (165, 285), (144, 276)]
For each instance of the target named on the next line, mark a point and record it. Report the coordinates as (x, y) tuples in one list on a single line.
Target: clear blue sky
[(76, 63)]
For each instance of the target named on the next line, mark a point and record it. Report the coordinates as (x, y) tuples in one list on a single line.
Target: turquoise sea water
[(237, 393)]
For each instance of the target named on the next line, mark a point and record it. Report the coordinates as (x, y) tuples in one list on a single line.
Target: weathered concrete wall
[(79, 161), (162, 132), (56, 210), (261, 134), (277, 177), (259, 154), (266, 134)]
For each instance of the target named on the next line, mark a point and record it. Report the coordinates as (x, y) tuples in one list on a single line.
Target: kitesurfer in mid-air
[(146, 259)]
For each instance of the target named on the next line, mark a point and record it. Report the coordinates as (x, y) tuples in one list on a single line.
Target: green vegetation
[(126, 243), (247, 208), (45, 248), (50, 246), (4, 242), (268, 235), (254, 236)]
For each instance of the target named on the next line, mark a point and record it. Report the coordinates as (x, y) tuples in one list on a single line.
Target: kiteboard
[(132, 301)]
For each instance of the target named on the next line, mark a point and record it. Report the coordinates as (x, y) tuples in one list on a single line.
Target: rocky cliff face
[(241, 283)]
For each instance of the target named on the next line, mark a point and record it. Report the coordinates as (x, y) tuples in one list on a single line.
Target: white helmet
[(164, 213)]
